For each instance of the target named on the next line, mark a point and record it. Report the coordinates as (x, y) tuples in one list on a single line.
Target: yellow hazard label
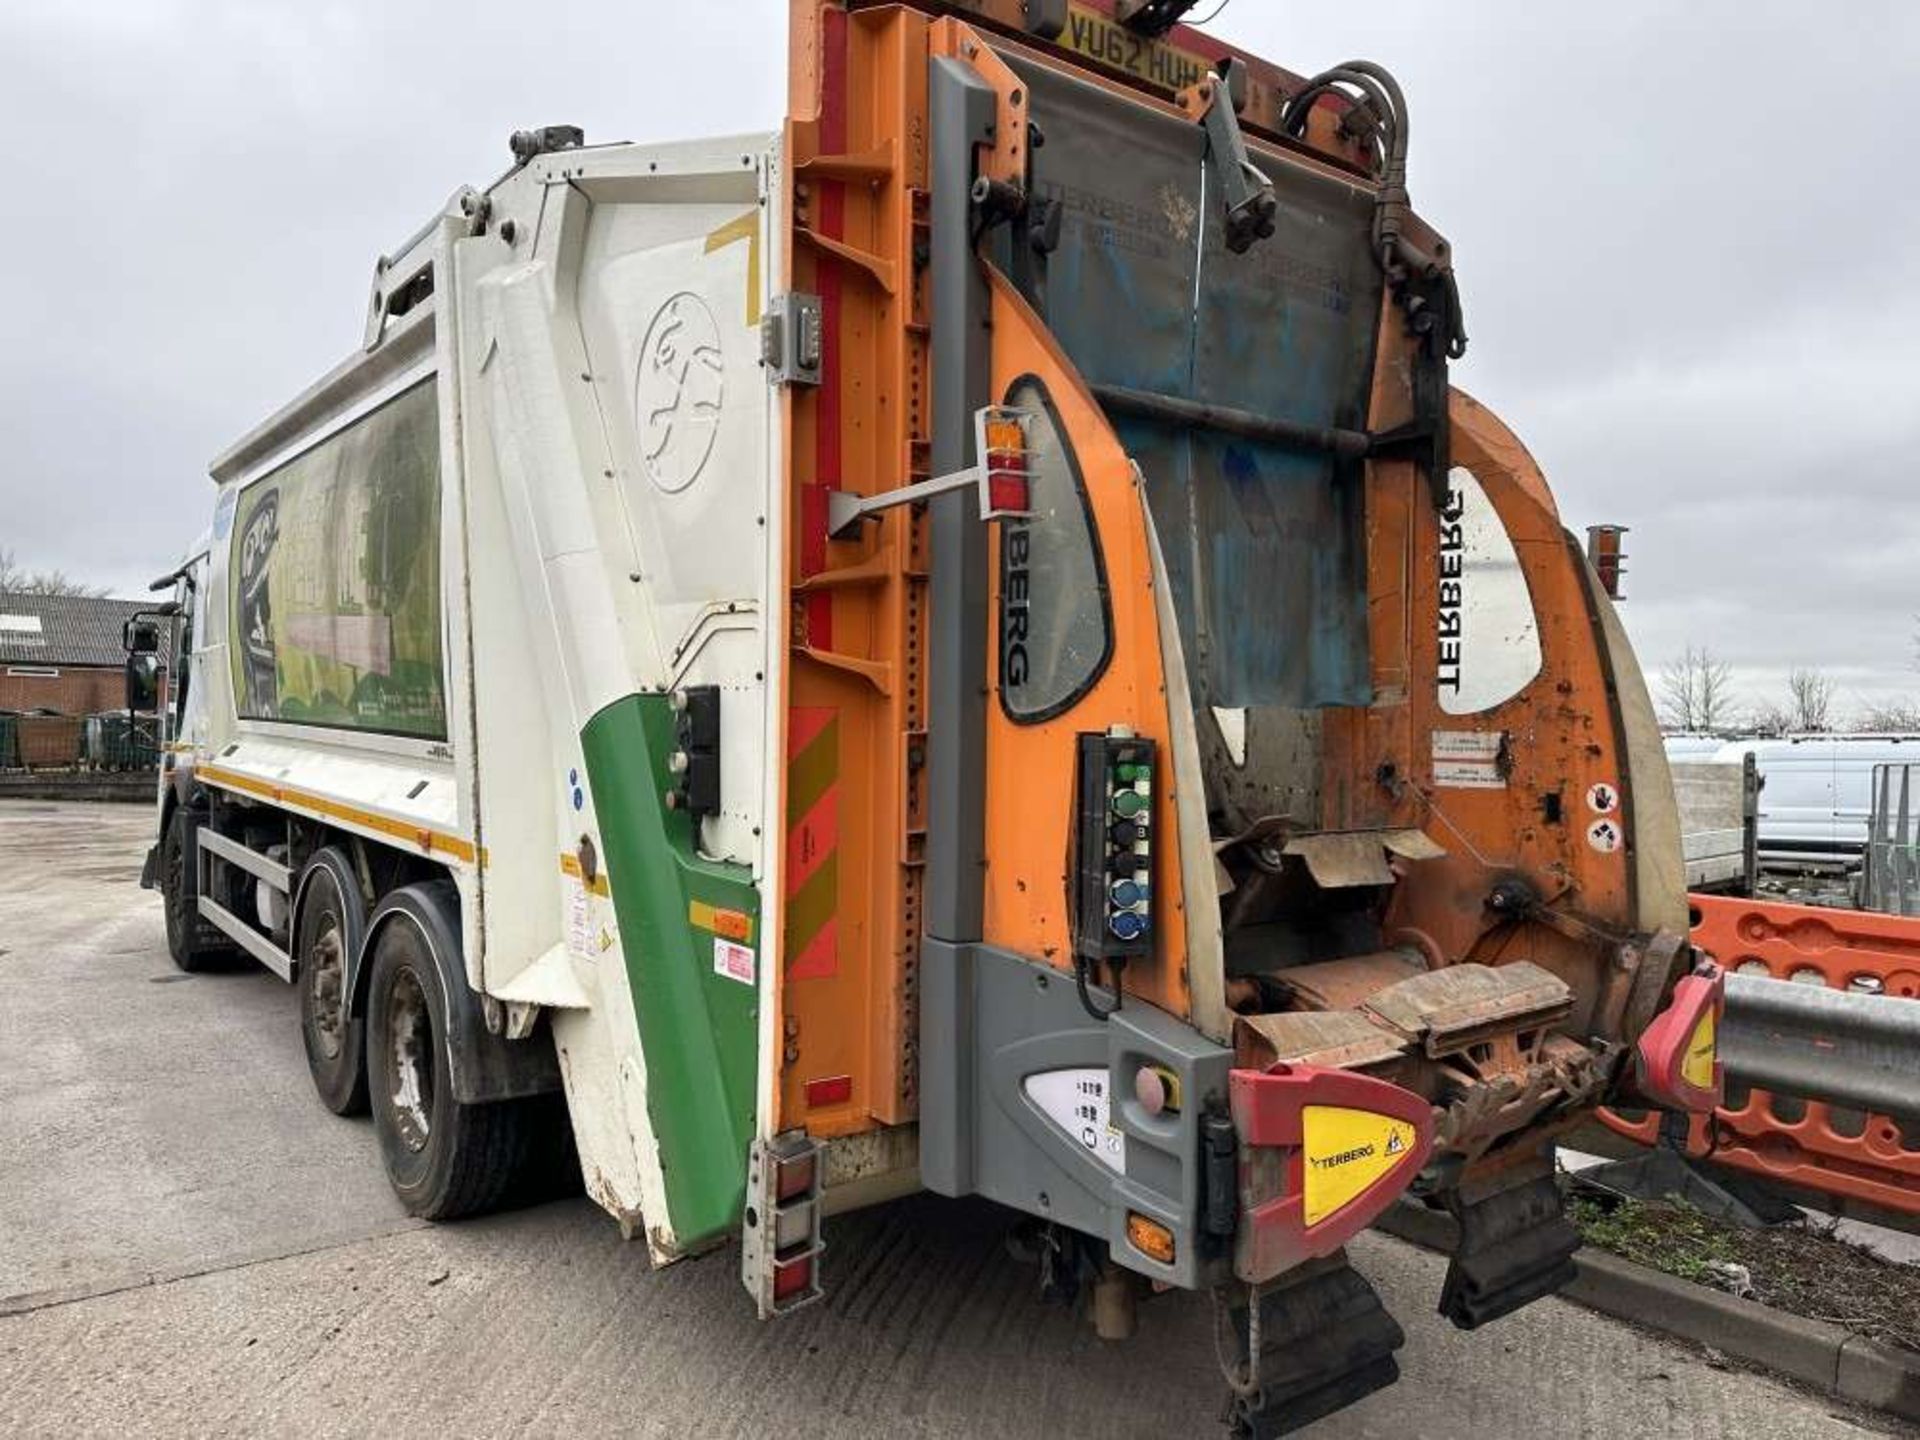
[(734, 924), (1347, 1152), (1697, 1068)]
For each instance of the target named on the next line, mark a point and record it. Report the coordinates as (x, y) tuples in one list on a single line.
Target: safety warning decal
[(733, 961), (1469, 759), (1347, 1151), (1076, 1101), (1602, 799), (1604, 835)]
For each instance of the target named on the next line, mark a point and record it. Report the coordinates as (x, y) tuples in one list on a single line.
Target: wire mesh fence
[(1890, 878), (109, 741)]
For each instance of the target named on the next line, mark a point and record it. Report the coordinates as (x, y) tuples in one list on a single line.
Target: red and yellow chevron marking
[(813, 839)]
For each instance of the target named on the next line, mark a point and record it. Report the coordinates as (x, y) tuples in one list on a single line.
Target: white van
[(1815, 791)]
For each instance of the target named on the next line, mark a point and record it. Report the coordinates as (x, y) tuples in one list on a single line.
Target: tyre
[(327, 936), (444, 1159), (192, 940)]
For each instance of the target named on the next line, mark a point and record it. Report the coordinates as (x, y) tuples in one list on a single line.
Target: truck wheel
[(443, 1158), (192, 941), (332, 921)]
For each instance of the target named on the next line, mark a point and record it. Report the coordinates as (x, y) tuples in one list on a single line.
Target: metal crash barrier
[(1821, 1046)]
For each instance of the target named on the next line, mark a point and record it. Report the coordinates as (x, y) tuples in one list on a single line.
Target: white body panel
[(608, 462)]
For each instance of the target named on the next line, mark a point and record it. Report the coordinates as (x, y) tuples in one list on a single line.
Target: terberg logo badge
[(1451, 557), (1348, 1152), (1015, 664), (1345, 1157)]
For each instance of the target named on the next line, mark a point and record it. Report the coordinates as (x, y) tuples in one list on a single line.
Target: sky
[(1685, 238)]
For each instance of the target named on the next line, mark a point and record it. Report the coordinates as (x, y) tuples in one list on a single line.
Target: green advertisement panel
[(335, 580)]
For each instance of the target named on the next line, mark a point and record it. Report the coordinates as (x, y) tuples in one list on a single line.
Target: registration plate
[(1099, 39)]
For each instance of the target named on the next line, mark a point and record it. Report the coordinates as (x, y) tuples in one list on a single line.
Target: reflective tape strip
[(420, 837)]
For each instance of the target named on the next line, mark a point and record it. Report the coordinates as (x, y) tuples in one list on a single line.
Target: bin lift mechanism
[(1000, 477)]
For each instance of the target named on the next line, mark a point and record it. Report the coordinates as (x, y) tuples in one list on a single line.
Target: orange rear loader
[(1219, 798)]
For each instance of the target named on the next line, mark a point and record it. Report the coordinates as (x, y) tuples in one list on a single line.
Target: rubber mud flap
[(1325, 1342), (1515, 1246)]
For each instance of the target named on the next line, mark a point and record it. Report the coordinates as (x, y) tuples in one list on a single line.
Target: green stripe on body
[(698, 1029)]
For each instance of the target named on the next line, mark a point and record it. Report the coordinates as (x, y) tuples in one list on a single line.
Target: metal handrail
[(1840, 1047)]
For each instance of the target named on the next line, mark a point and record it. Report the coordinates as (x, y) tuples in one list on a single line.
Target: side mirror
[(142, 637), (143, 683)]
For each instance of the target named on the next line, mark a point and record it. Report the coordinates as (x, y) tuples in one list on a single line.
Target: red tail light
[(1007, 490), (792, 1277)]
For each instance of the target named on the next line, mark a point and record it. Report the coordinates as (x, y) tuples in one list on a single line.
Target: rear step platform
[(1323, 1342), (1515, 1246)]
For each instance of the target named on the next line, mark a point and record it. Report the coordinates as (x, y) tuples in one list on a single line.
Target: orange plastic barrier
[(1868, 1157)]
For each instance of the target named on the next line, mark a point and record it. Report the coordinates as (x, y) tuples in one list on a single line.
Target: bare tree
[(15, 581), (1769, 717), (1696, 693), (1809, 700), (1882, 717)]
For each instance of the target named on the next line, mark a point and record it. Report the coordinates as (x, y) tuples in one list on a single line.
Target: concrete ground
[(189, 1244)]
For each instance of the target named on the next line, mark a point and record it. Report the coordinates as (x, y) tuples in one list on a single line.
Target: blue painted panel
[(1265, 547)]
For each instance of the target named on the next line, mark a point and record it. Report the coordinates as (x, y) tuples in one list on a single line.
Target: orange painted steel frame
[(856, 154), (857, 145), (1562, 734), (1822, 1147)]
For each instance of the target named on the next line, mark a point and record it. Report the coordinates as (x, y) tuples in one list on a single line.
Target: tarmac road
[(189, 1244)]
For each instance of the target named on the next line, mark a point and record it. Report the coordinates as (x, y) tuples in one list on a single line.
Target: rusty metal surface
[(1340, 859), (1353, 980), (1143, 294), (1337, 1039), (1451, 1008)]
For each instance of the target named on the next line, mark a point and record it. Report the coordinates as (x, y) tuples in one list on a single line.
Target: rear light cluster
[(1008, 491), (781, 1248)]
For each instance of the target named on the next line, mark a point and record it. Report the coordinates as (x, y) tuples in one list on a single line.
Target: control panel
[(1113, 843)]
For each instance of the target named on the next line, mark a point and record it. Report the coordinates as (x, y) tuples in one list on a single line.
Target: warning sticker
[(1604, 835), (1076, 1101), (733, 961), (579, 920), (1469, 759), (1602, 799), (1348, 1151)]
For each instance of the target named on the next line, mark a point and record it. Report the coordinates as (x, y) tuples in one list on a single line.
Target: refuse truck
[(966, 644)]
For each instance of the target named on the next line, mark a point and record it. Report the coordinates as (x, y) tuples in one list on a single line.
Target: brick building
[(62, 653)]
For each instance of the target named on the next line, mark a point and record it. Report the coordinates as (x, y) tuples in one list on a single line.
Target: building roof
[(63, 629)]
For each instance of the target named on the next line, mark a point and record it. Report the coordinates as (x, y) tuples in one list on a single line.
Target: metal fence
[(1890, 879), (110, 740)]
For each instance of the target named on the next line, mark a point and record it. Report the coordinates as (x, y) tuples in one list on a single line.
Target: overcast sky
[(1686, 238)]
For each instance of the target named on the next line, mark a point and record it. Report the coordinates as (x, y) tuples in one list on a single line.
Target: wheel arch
[(483, 1065)]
